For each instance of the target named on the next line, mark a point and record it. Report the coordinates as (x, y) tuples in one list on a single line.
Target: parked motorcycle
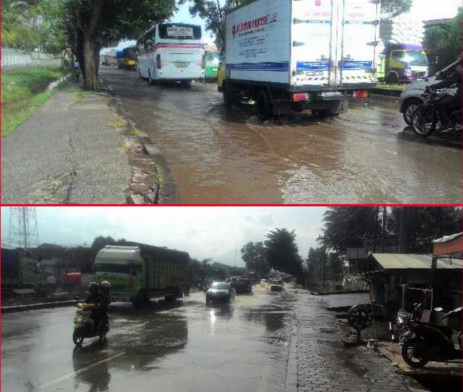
[(85, 325), (427, 118), (400, 330), (429, 342)]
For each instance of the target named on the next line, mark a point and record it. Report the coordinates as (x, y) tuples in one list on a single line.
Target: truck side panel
[(258, 42), (303, 45), (164, 273)]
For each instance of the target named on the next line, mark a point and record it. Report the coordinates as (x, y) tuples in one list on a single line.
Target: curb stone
[(152, 181)]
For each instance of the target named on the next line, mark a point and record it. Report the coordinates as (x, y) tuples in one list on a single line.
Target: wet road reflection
[(185, 347)]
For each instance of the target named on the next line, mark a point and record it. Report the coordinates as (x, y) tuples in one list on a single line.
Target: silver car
[(412, 96)]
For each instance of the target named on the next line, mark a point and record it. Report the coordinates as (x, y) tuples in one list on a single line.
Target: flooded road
[(226, 155), (242, 346)]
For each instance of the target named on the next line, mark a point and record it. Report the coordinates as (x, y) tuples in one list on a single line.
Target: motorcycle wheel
[(424, 121), (408, 354), (77, 338)]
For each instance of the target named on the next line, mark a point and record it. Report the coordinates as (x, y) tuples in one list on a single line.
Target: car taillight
[(158, 61), (300, 97), (361, 94), (130, 285)]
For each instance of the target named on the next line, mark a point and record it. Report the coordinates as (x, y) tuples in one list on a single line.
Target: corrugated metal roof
[(447, 238), (413, 261)]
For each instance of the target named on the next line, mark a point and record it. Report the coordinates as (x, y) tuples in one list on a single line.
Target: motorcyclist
[(448, 103), (95, 296), (105, 288)]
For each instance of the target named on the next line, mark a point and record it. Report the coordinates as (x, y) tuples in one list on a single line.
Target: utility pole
[(23, 231)]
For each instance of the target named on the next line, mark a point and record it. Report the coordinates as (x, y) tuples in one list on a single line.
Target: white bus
[(171, 52)]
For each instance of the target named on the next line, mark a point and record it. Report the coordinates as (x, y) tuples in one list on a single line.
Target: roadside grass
[(23, 91), (396, 87)]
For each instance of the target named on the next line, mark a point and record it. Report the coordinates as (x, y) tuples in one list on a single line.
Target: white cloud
[(205, 232)]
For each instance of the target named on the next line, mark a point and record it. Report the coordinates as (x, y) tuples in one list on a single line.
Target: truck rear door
[(358, 30), (332, 42)]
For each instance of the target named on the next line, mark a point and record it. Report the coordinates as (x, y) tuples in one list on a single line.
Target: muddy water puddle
[(221, 155)]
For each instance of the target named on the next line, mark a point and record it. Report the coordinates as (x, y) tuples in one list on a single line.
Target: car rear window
[(222, 286)]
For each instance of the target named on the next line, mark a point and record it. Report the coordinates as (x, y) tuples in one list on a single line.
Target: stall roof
[(412, 261)]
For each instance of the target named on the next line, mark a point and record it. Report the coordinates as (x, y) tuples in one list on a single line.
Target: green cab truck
[(139, 272), (20, 270)]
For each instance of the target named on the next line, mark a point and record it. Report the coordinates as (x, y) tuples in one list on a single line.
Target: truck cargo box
[(324, 47), (303, 44)]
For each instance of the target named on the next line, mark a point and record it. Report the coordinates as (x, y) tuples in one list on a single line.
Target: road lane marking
[(263, 380), (80, 371)]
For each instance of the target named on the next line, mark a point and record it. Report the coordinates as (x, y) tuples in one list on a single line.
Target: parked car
[(220, 292), (241, 285), (276, 285), (412, 96)]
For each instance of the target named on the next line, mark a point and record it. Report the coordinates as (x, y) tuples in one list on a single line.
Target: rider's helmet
[(105, 286), (93, 288)]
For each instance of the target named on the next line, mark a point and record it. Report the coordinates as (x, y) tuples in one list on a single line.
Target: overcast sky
[(204, 232)]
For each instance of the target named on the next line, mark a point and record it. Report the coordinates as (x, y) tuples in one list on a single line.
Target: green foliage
[(253, 255), (31, 26), (392, 8), (445, 41), (214, 15), (420, 226), (90, 25), (348, 227), (283, 253), (23, 92)]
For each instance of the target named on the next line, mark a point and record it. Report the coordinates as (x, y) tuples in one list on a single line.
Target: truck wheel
[(392, 78), (263, 105), (227, 97)]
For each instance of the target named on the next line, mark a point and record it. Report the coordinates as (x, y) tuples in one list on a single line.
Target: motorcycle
[(429, 342), (400, 330), (427, 117), (85, 325)]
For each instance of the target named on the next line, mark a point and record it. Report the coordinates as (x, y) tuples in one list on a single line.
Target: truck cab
[(404, 63), (20, 269)]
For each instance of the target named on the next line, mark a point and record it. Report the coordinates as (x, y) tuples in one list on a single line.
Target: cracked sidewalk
[(77, 149)]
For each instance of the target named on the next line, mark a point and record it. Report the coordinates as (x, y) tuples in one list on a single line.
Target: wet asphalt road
[(226, 155), (187, 347), (264, 342)]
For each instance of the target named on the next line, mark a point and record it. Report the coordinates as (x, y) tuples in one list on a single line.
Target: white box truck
[(292, 55)]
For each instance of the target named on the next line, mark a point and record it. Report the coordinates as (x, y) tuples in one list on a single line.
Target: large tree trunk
[(90, 78), (90, 47)]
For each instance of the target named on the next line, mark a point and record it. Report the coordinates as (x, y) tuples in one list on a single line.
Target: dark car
[(241, 285), (276, 285), (220, 292)]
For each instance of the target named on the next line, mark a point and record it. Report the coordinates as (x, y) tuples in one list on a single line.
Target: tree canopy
[(283, 253), (93, 24), (413, 227), (445, 41), (253, 255)]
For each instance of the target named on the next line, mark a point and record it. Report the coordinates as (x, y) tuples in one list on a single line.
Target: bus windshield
[(179, 31)]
